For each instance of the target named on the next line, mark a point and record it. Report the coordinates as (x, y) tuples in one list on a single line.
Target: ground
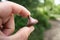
[(54, 32)]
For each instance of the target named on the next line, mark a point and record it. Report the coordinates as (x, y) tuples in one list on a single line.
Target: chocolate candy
[(31, 21)]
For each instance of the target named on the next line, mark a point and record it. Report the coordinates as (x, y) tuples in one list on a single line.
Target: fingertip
[(27, 29), (25, 13), (31, 28)]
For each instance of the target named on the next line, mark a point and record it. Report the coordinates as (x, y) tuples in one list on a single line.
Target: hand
[(7, 25)]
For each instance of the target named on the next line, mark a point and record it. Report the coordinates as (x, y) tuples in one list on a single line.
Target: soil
[(54, 32)]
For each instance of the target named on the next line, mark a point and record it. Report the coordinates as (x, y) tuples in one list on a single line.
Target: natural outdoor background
[(43, 11)]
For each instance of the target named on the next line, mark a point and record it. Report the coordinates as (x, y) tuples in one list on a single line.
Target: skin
[(7, 25)]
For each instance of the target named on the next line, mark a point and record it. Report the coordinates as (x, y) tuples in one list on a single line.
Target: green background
[(42, 11)]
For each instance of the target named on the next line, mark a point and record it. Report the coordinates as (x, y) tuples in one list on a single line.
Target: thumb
[(23, 33)]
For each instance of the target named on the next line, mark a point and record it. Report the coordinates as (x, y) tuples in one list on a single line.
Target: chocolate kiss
[(31, 21)]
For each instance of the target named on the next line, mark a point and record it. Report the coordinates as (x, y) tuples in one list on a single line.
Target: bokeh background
[(43, 11)]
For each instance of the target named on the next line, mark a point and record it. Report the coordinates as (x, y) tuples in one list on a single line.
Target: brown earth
[(54, 32)]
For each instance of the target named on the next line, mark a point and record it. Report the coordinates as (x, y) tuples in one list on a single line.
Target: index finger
[(18, 9)]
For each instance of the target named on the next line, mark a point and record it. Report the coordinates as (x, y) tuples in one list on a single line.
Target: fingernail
[(31, 28)]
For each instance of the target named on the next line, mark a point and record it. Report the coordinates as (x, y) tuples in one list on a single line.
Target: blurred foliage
[(40, 11), (52, 18)]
